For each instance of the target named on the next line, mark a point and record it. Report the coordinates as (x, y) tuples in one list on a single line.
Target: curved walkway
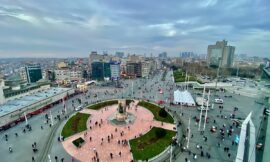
[(142, 124)]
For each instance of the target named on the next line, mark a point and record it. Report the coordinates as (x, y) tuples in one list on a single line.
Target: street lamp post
[(51, 117), (25, 117), (206, 110), (132, 89), (219, 60), (188, 132), (202, 106)]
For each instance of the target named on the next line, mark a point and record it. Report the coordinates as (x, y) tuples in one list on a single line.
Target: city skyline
[(74, 29)]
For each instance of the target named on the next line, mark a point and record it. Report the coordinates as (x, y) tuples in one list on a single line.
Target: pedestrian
[(202, 154), (229, 155), (194, 156), (33, 159)]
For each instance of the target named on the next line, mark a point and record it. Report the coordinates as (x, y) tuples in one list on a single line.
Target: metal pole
[(181, 109), (202, 106), (188, 132), (171, 154), (132, 89), (64, 105), (217, 73), (206, 110), (187, 82), (51, 117), (25, 117), (49, 158)]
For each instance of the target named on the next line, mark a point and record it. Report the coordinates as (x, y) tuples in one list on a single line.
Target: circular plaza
[(118, 130)]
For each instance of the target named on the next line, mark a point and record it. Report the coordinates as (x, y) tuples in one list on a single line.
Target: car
[(78, 108), (219, 101), (203, 108)]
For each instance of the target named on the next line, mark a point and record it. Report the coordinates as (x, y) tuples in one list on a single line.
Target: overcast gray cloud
[(58, 28)]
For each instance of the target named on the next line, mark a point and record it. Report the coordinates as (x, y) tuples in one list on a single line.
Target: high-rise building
[(162, 55), (133, 58), (134, 69), (100, 70), (185, 55), (115, 70), (146, 67), (220, 54), (33, 73)]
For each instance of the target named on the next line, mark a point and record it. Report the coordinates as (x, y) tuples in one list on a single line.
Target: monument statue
[(121, 114)]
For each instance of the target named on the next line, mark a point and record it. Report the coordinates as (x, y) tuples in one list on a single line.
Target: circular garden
[(150, 134)]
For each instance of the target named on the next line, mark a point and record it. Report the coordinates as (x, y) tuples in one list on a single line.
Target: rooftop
[(27, 100)]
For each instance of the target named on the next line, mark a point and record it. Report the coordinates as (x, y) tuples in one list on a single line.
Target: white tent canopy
[(183, 98)]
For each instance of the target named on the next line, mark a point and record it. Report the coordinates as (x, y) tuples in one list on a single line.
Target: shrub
[(160, 133), (162, 113), (78, 142)]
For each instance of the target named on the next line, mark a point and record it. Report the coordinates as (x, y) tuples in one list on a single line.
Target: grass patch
[(155, 110), (102, 104), (179, 76), (78, 142), (75, 124), (149, 145)]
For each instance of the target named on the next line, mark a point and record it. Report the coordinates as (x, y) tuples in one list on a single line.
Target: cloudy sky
[(66, 28)]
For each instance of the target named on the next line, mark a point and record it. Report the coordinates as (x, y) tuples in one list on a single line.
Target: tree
[(159, 132), (163, 113)]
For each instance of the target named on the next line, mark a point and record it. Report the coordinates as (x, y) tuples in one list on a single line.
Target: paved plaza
[(145, 89), (100, 132)]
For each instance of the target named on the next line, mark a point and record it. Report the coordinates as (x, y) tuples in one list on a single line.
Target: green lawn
[(155, 110), (75, 124), (148, 145), (180, 76), (102, 104)]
